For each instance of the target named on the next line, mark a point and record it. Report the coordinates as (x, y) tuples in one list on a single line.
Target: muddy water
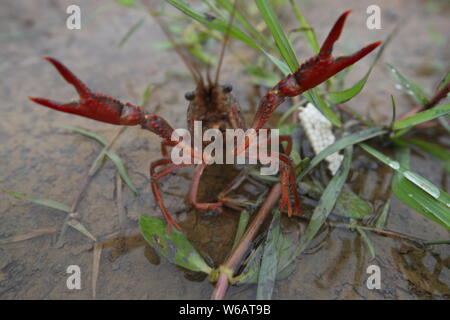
[(40, 159)]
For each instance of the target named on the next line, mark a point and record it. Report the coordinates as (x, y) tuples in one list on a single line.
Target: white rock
[(319, 132)]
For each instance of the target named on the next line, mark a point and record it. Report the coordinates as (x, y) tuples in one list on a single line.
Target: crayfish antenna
[(81, 88)]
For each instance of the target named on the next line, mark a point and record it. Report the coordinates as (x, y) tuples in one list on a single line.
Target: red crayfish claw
[(323, 66), (92, 105)]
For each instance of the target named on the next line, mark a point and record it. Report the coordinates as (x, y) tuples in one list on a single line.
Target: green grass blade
[(367, 241), (420, 190), (222, 26), (342, 144), (381, 221), (309, 32), (127, 3), (173, 245), (433, 149), (327, 201), (44, 202), (323, 107), (421, 117), (283, 43), (130, 32), (242, 225), (228, 6), (86, 133), (409, 87), (444, 82), (269, 262), (81, 228), (122, 171), (415, 197), (118, 162)]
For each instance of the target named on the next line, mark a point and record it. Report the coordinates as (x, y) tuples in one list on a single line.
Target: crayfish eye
[(189, 96), (227, 88)]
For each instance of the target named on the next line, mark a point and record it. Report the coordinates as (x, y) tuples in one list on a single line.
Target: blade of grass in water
[(412, 195), (173, 245), (44, 202), (435, 201), (367, 241), (433, 149), (381, 221), (269, 261)]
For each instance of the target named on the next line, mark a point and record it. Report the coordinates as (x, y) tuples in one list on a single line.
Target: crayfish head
[(215, 106)]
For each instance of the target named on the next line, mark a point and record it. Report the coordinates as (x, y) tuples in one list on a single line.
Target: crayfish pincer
[(216, 107)]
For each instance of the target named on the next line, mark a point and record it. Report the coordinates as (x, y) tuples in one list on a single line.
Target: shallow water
[(40, 159)]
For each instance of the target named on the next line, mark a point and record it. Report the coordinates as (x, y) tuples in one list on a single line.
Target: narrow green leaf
[(111, 155), (323, 107), (173, 245), (433, 149), (147, 93), (269, 261), (86, 133), (367, 241), (242, 225), (341, 144), (409, 87), (309, 32), (228, 5), (421, 117), (44, 202), (222, 26), (130, 32), (350, 205), (444, 82), (421, 192), (122, 171), (327, 201), (127, 3), (286, 246), (283, 43), (394, 112), (81, 228), (444, 121), (381, 221), (412, 195)]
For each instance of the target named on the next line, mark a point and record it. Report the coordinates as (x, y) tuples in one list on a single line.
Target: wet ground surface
[(40, 159)]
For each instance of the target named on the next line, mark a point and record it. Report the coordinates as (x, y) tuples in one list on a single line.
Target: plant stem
[(236, 256)]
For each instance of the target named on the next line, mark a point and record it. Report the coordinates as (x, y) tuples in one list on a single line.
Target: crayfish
[(216, 107)]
